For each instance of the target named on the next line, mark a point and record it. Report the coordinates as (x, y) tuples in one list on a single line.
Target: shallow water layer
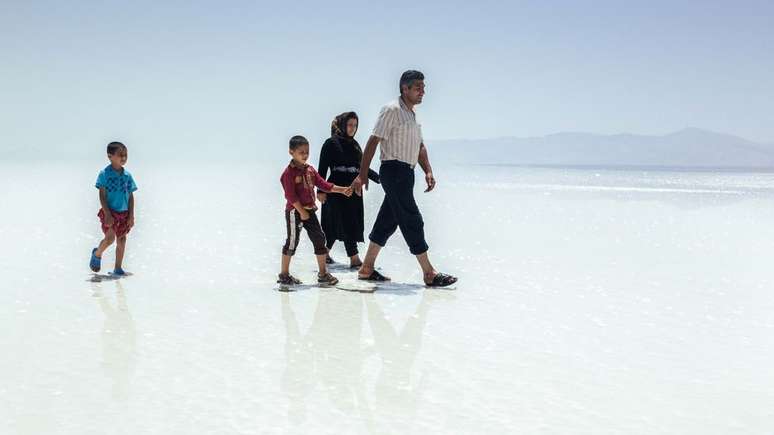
[(589, 301)]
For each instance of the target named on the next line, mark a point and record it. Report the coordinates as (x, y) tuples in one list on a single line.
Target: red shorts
[(120, 222)]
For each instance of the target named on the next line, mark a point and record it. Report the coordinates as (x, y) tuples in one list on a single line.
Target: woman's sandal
[(374, 276), (288, 279), (327, 279), (442, 280)]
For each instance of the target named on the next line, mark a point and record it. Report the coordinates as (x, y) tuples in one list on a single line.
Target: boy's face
[(300, 154), (118, 158)]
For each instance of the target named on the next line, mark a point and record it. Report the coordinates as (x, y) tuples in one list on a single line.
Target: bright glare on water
[(589, 301)]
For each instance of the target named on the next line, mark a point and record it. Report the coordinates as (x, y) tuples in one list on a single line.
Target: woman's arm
[(373, 175), (325, 162), (325, 159)]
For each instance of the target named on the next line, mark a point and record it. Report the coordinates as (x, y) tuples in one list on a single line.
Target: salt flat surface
[(589, 301)]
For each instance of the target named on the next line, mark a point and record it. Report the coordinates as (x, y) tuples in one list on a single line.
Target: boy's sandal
[(95, 263), (288, 279), (374, 276), (442, 280), (327, 279)]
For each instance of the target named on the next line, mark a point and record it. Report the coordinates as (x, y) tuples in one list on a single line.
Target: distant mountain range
[(690, 148), (687, 148)]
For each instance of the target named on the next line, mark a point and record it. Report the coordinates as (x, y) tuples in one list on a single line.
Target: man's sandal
[(441, 280), (374, 276)]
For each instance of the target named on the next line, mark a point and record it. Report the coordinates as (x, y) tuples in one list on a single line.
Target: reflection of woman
[(342, 217), (329, 353)]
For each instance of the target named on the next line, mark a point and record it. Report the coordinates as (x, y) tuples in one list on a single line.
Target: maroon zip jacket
[(299, 182)]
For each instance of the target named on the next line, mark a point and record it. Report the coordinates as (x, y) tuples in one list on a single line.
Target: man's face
[(414, 93)]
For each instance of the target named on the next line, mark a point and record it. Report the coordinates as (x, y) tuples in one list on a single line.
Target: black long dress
[(342, 217)]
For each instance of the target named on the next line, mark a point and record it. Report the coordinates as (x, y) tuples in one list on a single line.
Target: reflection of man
[(118, 341), (394, 391)]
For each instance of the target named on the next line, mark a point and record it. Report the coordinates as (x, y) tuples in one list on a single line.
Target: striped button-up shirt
[(400, 133)]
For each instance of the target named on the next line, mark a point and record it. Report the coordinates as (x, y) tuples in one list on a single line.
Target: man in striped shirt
[(402, 147)]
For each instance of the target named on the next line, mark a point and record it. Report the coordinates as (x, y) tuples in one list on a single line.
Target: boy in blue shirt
[(116, 187)]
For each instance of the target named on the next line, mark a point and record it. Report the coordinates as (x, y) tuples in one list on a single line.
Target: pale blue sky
[(159, 74)]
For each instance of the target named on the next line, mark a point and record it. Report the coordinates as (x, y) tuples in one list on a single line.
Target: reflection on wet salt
[(119, 342), (331, 354)]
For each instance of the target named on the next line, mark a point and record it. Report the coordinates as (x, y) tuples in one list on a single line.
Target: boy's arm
[(347, 191), (322, 183), (290, 194), (131, 210), (327, 186), (288, 186), (105, 208), (301, 210)]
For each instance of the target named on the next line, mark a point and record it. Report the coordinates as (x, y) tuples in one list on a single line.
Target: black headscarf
[(339, 127)]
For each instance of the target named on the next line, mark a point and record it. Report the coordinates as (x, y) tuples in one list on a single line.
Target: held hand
[(348, 191), (430, 181), (304, 215), (358, 183), (322, 197)]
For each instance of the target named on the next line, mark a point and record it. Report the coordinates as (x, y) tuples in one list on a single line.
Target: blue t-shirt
[(118, 186)]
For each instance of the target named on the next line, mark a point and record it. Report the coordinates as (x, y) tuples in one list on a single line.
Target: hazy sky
[(192, 73)]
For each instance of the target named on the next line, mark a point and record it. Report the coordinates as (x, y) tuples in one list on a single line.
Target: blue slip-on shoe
[(119, 272), (95, 263)]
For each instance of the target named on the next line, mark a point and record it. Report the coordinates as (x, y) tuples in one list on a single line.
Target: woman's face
[(351, 127)]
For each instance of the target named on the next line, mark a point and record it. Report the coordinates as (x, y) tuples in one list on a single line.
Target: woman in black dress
[(342, 217)]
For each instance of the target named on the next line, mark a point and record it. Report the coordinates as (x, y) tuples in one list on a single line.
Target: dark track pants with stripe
[(313, 229)]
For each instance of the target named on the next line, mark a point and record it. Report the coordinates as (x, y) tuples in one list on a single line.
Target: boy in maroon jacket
[(299, 181)]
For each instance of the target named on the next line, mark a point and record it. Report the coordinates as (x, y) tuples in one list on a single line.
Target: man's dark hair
[(114, 147), (297, 141), (409, 77)]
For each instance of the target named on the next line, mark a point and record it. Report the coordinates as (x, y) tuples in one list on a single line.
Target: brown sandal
[(327, 279)]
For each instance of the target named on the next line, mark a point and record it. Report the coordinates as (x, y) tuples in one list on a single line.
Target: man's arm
[(365, 164), (424, 162)]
